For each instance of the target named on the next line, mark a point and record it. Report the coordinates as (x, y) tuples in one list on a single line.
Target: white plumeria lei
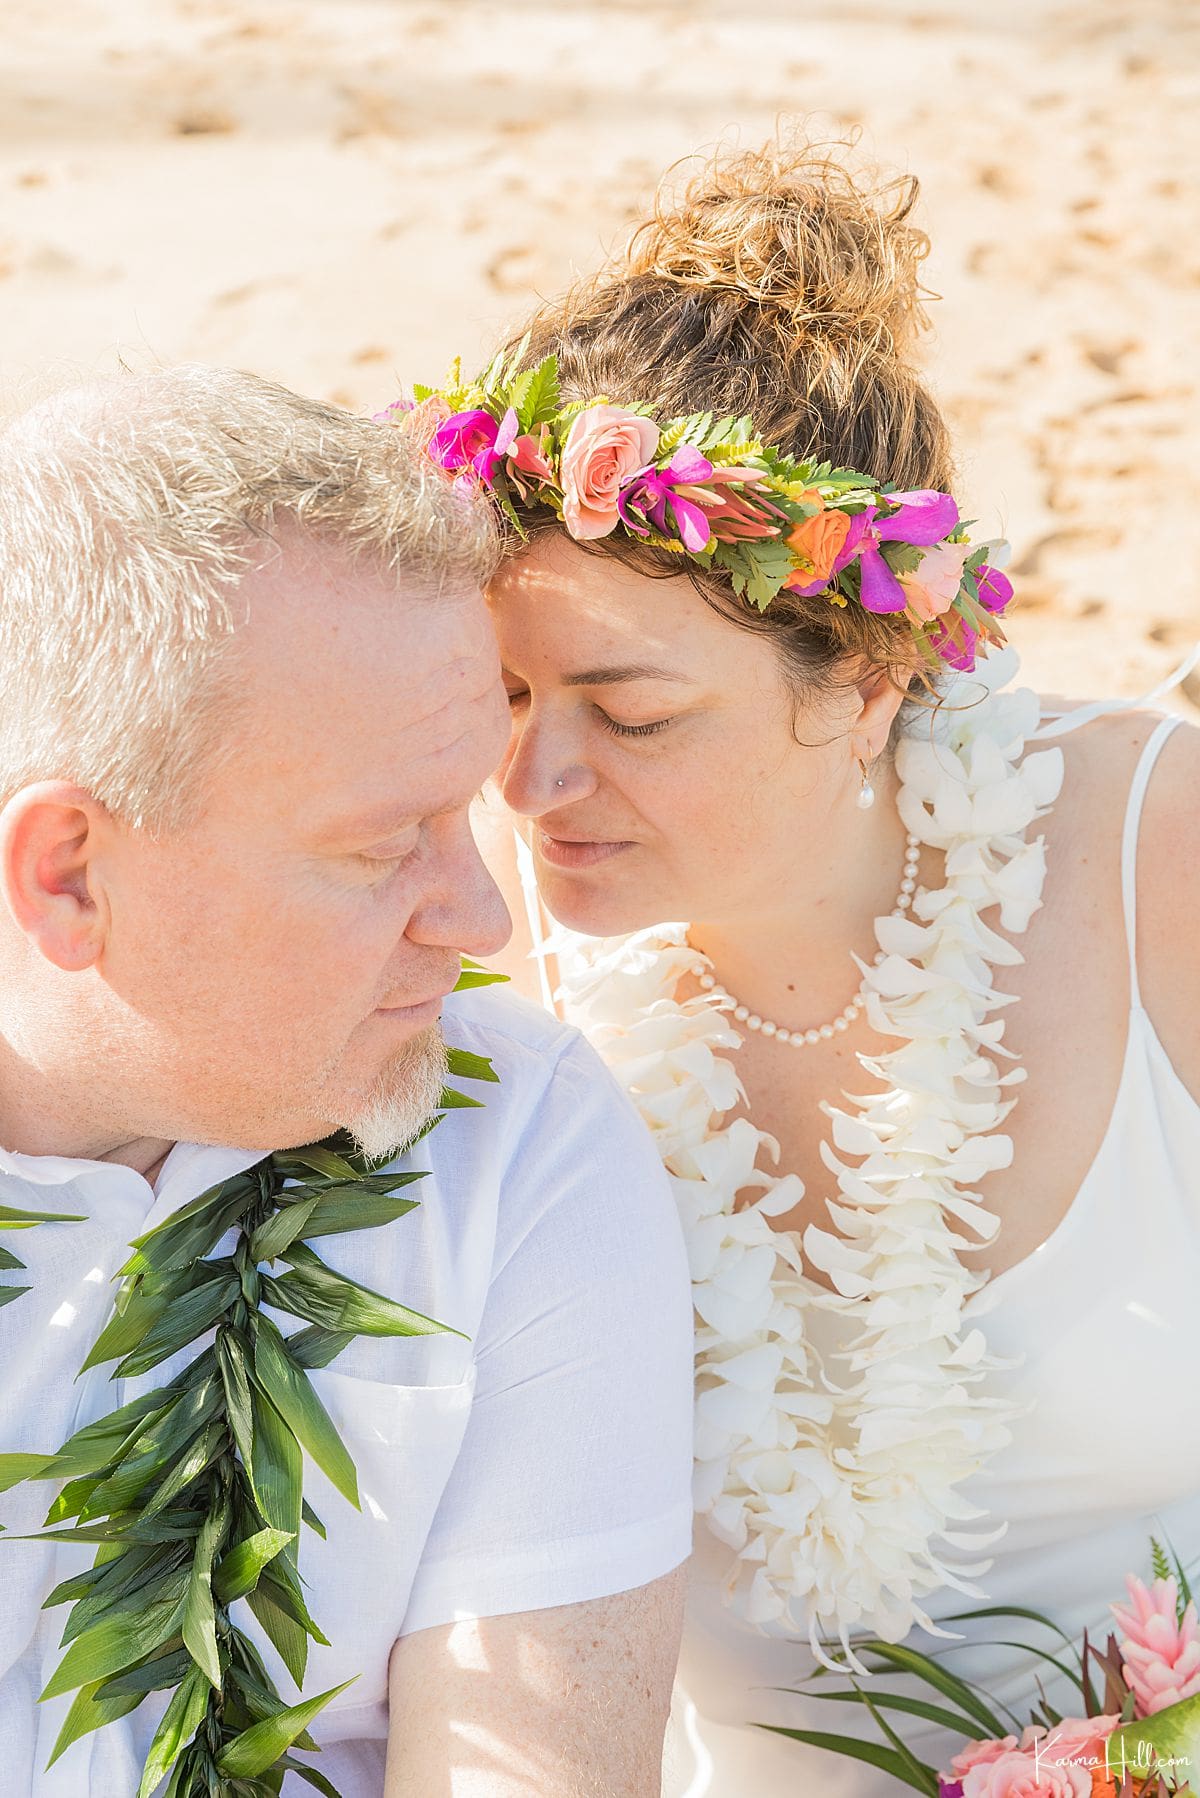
[(833, 1492)]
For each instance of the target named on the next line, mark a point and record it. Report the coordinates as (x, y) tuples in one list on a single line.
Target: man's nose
[(466, 911)]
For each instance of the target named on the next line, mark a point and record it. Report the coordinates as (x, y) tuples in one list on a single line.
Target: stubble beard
[(403, 1098)]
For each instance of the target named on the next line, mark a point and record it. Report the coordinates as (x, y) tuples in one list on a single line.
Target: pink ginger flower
[(1160, 1652), (737, 510)]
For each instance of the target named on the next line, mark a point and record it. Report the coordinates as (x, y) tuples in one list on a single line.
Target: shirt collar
[(187, 1171)]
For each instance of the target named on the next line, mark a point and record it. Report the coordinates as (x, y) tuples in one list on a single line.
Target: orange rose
[(818, 540)]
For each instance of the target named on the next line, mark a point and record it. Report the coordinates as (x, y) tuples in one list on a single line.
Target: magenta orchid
[(995, 590), (659, 497), (955, 641), (474, 440)]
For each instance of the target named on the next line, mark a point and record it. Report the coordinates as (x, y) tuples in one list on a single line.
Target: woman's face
[(653, 750)]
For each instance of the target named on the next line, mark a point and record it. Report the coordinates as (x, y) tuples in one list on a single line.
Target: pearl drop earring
[(866, 793)]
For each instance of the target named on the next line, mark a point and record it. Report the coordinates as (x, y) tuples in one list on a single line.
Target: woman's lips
[(574, 852)]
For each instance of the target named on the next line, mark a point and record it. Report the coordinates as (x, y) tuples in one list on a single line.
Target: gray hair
[(128, 512)]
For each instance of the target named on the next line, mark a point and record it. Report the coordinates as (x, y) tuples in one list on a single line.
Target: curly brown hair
[(773, 282)]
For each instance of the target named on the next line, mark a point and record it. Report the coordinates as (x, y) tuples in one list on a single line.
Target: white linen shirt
[(542, 1458)]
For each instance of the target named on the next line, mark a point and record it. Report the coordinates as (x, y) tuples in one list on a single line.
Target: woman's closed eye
[(518, 696), (618, 729)]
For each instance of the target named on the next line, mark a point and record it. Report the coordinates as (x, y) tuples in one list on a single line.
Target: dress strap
[(533, 916), (1060, 724), (1129, 843)]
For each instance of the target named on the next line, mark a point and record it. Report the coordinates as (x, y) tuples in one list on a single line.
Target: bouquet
[(1138, 1734)]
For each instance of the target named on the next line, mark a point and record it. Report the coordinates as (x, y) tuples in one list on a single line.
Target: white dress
[(1103, 1324)]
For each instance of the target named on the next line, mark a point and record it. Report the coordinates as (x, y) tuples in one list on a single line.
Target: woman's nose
[(541, 772)]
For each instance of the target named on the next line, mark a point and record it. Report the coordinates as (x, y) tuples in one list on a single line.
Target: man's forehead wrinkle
[(436, 763), (453, 684), (427, 756)]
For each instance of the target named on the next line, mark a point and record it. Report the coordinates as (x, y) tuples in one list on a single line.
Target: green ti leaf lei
[(192, 1493), (11, 1219)]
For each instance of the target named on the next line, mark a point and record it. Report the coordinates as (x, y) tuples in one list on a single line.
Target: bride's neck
[(787, 954)]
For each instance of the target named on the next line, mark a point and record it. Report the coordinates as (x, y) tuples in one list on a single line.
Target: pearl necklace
[(800, 1039)]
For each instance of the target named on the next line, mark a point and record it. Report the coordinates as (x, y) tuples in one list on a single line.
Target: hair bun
[(830, 253)]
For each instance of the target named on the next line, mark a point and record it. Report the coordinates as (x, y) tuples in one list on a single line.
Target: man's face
[(279, 967)]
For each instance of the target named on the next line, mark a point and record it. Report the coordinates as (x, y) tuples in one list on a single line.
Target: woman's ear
[(879, 699), (50, 834)]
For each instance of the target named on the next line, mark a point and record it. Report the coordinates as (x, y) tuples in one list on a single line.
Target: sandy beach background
[(345, 193)]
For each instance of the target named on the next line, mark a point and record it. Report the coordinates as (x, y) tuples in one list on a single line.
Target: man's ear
[(50, 834), (880, 698)]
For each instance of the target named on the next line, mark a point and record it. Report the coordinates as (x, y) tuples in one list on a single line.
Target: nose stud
[(560, 783)]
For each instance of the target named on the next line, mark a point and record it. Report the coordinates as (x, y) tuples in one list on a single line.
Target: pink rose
[(605, 447), (1078, 1739), (1017, 1775), (932, 589), (978, 1754)]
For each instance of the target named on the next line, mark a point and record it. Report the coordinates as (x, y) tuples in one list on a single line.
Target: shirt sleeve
[(574, 1478)]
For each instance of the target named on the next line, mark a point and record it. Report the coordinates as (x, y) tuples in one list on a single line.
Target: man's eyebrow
[(625, 671)]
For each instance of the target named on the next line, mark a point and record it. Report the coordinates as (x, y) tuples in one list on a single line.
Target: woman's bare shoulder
[(1100, 762), (1101, 753)]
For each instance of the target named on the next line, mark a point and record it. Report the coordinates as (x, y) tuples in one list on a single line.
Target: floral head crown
[(707, 488)]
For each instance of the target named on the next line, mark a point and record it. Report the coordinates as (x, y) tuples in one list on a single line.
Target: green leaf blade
[(260, 1746), (15, 1469), (113, 1646), (90, 1711), (240, 1569), (290, 1391), (909, 1660), (199, 1628), (181, 1719), (276, 1469), (873, 1753), (187, 1317)]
